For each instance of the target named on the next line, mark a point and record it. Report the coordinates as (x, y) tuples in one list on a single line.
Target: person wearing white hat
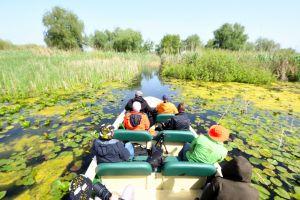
[(136, 120)]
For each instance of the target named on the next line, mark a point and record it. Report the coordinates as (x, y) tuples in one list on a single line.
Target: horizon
[(155, 19)]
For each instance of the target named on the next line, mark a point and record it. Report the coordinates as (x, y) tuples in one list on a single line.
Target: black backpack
[(155, 157)]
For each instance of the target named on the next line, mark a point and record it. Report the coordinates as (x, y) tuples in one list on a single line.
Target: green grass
[(229, 66), (27, 72)]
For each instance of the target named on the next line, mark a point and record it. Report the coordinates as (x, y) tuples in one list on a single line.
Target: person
[(108, 150), (83, 188), (206, 149), (235, 183), (145, 108), (179, 122), (136, 120), (166, 107)]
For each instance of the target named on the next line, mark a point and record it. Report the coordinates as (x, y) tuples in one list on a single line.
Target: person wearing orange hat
[(206, 149)]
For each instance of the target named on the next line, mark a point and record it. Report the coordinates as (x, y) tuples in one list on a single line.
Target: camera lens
[(101, 191)]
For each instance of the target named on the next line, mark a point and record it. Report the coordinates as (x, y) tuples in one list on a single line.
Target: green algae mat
[(45, 140)]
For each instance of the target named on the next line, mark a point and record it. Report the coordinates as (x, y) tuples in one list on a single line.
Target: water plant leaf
[(2, 194), (276, 181), (255, 161), (281, 192), (263, 192), (265, 153)]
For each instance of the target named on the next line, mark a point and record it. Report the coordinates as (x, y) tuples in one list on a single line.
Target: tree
[(127, 40), (99, 40), (264, 44), (192, 43), (249, 46), (170, 44), (148, 46), (63, 29), (230, 36)]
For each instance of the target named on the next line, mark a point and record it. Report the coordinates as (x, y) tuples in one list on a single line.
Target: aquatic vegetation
[(30, 72)]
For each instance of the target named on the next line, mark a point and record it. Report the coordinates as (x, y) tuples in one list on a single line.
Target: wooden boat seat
[(177, 136), (128, 135), (163, 117), (174, 167), (124, 169)]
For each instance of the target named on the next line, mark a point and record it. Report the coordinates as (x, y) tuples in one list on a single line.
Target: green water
[(45, 141)]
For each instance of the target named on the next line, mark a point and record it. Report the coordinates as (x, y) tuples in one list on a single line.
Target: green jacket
[(206, 150)]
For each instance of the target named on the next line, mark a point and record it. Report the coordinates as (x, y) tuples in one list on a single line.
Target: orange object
[(144, 123), (166, 108), (218, 133)]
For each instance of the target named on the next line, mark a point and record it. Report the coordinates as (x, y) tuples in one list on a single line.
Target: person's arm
[(210, 191), (193, 144), (123, 152), (146, 122), (128, 106)]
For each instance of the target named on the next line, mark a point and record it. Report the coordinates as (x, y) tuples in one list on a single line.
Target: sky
[(279, 20)]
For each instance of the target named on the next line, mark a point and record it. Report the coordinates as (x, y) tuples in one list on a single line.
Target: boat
[(175, 180)]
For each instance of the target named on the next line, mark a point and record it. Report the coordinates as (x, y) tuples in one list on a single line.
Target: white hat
[(136, 106), (139, 93)]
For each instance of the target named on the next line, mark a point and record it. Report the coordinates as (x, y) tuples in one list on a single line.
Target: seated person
[(108, 150), (136, 120), (206, 149), (235, 183), (145, 108), (179, 122), (166, 107)]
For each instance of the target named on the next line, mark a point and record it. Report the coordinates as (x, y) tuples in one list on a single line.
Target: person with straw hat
[(109, 150), (206, 149)]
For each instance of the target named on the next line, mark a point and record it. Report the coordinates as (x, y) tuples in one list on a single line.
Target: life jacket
[(136, 121)]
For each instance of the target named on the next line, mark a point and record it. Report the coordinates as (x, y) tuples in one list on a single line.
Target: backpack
[(155, 157)]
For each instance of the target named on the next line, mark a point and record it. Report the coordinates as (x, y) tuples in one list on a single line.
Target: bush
[(5, 45), (218, 66)]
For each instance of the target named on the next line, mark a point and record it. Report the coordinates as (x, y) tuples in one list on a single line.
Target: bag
[(139, 150), (155, 158)]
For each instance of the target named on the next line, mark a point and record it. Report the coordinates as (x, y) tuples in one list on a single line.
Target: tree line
[(64, 30)]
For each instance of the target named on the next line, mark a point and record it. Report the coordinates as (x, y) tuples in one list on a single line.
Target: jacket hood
[(238, 169)]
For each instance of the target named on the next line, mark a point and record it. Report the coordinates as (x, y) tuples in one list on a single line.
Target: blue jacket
[(110, 151)]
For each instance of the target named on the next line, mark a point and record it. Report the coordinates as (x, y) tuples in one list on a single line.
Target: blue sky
[(21, 21)]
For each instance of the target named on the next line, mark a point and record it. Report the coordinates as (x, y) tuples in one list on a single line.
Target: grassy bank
[(32, 71), (228, 66)]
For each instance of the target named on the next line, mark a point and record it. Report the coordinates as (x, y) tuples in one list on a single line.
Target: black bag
[(155, 157)]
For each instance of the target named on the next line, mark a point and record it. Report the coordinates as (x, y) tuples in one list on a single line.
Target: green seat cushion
[(124, 169), (188, 169), (171, 159), (140, 158), (128, 135), (177, 136), (163, 117)]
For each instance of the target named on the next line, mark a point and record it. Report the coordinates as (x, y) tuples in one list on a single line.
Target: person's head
[(165, 98), (218, 133), (238, 169), (181, 107), (106, 132), (138, 93), (136, 106)]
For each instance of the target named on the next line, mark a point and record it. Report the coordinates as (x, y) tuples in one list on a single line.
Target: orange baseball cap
[(218, 133)]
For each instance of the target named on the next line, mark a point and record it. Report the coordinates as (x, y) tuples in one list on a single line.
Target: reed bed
[(28, 72)]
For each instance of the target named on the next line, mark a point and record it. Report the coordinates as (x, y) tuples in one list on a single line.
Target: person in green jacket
[(206, 149)]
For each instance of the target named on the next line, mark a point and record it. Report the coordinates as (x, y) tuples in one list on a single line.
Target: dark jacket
[(109, 151), (145, 108), (179, 122), (235, 184)]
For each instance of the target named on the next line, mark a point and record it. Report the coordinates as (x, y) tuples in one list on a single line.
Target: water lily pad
[(281, 169), (25, 124), (2, 194), (268, 165), (265, 152), (281, 192), (255, 161), (276, 181), (273, 162), (269, 172), (263, 192)]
